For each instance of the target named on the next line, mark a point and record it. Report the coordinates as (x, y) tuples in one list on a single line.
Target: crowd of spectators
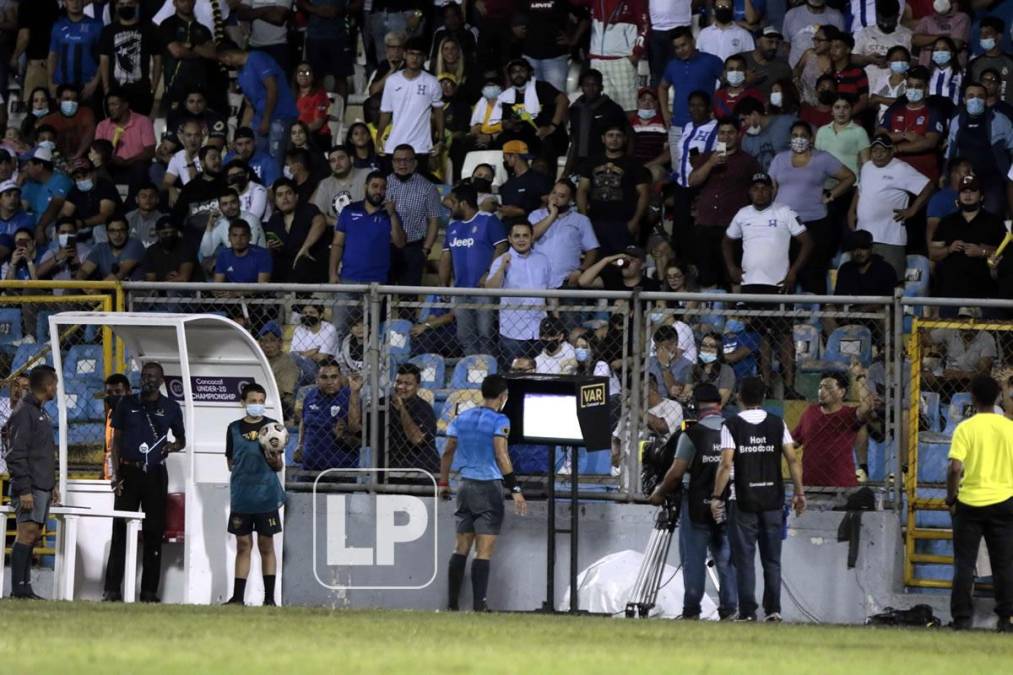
[(766, 147)]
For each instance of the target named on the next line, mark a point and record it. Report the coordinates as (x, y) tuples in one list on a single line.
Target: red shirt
[(899, 118), (313, 107), (649, 136), (724, 100), (829, 440), (815, 117), (726, 189)]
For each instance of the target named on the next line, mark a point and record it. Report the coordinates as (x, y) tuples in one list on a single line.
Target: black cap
[(551, 326), (5, 156), (883, 140), (162, 222), (761, 177), (858, 239), (244, 132), (706, 393), (417, 44), (635, 252)]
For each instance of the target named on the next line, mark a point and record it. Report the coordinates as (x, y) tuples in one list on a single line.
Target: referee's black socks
[(21, 565), (456, 576), (479, 583)]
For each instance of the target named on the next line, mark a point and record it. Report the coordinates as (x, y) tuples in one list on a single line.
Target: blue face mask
[(40, 113), (68, 108), (899, 66), (581, 353), (255, 409), (987, 44), (975, 106), (85, 184), (657, 317), (708, 357), (734, 326), (941, 58), (735, 77), (914, 95)]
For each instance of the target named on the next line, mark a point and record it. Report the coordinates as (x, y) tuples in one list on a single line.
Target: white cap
[(8, 185), (42, 154)]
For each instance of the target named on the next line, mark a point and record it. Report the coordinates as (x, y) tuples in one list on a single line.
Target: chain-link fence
[(944, 354), (87, 354), (826, 362)]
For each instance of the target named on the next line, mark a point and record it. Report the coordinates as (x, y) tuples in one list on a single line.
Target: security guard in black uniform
[(698, 450), (753, 442), (141, 424)]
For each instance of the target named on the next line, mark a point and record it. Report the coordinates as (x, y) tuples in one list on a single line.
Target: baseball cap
[(81, 164), (518, 62), (5, 156), (244, 132), (635, 252), (165, 222), (882, 140), (706, 393), (970, 183), (270, 328), (969, 312), (551, 326), (647, 90), (761, 177), (218, 130), (8, 185), (858, 239), (448, 76), (515, 148), (417, 44), (770, 31), (42, 154)]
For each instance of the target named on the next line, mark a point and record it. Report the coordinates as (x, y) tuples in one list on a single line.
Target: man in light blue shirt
[(522, 268), (473, 239), (480, 434), (564, 236)]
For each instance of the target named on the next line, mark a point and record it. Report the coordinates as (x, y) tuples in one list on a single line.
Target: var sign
[(374, 541)]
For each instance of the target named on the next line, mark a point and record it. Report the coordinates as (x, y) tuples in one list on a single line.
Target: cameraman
[(64, 256), (698, 451)]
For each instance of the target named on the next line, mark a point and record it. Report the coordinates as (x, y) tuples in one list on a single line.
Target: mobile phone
[(693, 152), (721, 148)]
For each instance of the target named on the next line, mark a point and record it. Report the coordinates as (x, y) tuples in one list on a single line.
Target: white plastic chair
[(492, 157)]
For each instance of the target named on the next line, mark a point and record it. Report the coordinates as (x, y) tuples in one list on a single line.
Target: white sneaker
[(773, 618)]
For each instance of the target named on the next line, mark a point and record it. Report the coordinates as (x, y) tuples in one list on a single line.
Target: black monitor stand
[(549, 606)]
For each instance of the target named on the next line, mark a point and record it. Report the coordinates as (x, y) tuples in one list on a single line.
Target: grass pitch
[(47, 637)]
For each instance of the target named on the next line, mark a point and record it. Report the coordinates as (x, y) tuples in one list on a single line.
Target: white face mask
[(735, 77), (64, 239), (799, 144), (941, 6), (776, 99), (754, 131), (645, 114)]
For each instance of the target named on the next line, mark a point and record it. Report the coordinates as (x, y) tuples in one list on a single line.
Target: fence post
[(373, 362), (901, 429), (631, 472)]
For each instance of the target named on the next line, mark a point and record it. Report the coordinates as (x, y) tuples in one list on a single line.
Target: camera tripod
[(645, 590)]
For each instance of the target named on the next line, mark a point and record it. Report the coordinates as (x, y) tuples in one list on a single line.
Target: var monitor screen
[(552, 416)]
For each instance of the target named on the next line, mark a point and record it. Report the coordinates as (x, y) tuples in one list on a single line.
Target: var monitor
[(559, 410)]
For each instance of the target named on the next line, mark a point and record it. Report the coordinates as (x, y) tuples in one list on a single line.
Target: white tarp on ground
[(605, 587)]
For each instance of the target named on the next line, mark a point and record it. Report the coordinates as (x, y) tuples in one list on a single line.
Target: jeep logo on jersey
[(375, 541), (468, 243)]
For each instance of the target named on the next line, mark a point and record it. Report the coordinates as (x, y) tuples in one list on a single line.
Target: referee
[(481, 433), (979, 492), (141, 425), (31, 463)]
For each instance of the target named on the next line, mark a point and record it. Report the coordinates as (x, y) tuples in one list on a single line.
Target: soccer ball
[(273, 437)]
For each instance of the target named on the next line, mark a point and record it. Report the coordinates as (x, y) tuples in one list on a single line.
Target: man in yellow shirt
[(981, 464)]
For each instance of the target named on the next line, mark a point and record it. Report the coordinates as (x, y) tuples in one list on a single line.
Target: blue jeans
[(474, 326), (273, 143), (511, 349), (553, 71), (695, 541), (746, 531)]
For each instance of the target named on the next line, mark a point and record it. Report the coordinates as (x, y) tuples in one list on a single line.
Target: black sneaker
[(269, 603), (112, 596), (26, 593), (745, 619), (688, 617), (453, 608), (961, 624), (234, 601), (147, 596)]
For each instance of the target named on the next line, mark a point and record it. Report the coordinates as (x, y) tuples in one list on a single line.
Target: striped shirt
[(945, 82), (700, 137), (75, 44), (475, 430), (417, 201), (852, 82)]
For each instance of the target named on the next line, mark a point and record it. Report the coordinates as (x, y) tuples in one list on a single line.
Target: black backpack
[(919, 615)]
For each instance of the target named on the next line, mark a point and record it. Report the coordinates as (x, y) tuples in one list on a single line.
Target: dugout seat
[(808, 343), (397, 338), (30, 354), (471, 370), (843, 345), (84, 363), (433, 370)]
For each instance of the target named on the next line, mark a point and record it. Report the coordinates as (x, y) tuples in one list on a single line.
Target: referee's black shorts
[(266, 524), (480, 507)]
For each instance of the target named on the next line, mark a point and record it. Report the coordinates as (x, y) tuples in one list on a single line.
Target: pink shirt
[(957, 25), (137, 134)]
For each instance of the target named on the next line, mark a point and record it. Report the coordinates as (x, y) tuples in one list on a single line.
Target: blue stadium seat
[(30, 352), (86, 433), (427, 310), (397, 339), (82, 406), (930, 412), (843, 345), (808, 343), (42, 325), (714, 322), (84, 363), (471, 370), (933, 461), (916, 276), (10, 326), (433, 370), (960, 409), (307, 370)]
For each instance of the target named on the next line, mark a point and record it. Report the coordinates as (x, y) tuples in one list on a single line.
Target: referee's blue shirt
[(474, 430)]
